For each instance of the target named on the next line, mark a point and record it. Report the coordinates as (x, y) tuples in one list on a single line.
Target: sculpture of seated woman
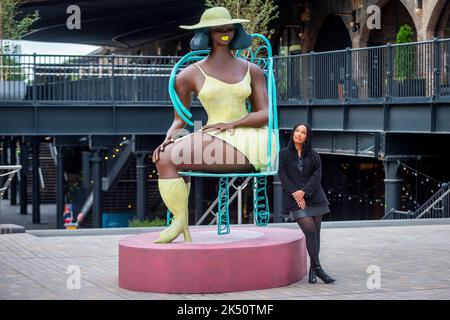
[(234, 139)]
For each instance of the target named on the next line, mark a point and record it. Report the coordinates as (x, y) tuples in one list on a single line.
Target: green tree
[(12, 29), (259, 12), (405, 54)]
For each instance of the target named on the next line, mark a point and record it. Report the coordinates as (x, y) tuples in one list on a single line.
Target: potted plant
[(12, 76), (407, 82)]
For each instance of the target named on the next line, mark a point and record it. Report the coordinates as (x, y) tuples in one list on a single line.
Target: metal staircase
[(437, 206)]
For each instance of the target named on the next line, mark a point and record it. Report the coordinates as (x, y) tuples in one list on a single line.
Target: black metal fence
[(96, 78), (418, 69), (399, 71)]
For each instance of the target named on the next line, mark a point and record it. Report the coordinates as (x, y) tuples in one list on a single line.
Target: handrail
[(425, 208), (11, 170), (315, 77)]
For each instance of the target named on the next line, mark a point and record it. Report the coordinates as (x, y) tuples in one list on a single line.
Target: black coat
[(308, 180)]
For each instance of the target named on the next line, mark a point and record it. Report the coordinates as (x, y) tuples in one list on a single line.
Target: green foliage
[(157, 222), (406, 56), (10, 27), (11, 70), (405, 34), (259, 12)]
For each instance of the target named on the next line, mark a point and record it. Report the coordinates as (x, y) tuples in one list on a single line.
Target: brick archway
[(313, 30), (408, 5), (437, 19), (333, 34)]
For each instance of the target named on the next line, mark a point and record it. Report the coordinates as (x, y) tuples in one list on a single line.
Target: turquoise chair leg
[(223, 217), (169, 218), (261, 212)]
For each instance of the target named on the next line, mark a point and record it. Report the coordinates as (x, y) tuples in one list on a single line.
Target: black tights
[(311, 228)]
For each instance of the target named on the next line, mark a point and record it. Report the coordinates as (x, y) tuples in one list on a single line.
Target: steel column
[(60, 188), (199, 195), (97, 177), (12, 161), (392, 185), (36, 183), (278, 207), (141, 185), (23, 177)]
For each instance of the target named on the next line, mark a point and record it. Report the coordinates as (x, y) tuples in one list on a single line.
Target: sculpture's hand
[(219, 126), (155, 156)]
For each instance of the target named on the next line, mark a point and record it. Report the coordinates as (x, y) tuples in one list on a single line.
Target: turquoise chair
[(260, 201)]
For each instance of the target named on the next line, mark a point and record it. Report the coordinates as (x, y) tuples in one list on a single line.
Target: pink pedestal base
[(249, 258)]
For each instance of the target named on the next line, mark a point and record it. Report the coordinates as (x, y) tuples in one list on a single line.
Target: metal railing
[(437, 206), (404, 72), (97, 78), (401, 71)]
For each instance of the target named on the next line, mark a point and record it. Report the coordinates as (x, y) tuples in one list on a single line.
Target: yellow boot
[(174, 193)]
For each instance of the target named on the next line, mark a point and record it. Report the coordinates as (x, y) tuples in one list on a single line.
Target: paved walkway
[(414, 263)]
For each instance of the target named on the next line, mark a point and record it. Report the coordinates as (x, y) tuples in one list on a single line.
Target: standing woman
[(300, 173)]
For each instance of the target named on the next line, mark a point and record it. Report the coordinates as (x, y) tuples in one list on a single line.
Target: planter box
[(409, 88), (13, 90)]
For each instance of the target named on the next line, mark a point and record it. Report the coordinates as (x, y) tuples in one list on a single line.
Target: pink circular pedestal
[(249, 258)]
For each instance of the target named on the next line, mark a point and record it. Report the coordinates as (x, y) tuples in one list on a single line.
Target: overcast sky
[(29, 47)]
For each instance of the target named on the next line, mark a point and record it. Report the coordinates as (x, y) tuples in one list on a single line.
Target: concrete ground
[(369, 259), (11, 214)]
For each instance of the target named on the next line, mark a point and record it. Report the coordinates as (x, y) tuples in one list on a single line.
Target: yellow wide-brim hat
[(213, 17)]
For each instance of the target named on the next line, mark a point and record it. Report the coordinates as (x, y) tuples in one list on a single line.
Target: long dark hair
[(307, 146)]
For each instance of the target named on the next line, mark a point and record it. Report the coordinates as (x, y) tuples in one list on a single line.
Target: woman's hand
[(298, 195), (219, 126), (301, 203), (161, 147)]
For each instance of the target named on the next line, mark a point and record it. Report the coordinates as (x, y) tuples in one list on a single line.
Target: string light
[(416, 172)]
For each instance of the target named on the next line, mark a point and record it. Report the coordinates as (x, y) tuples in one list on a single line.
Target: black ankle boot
[(312, 276), (323, 275)]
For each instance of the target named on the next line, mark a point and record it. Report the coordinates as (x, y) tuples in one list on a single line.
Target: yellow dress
[(225, 102)]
